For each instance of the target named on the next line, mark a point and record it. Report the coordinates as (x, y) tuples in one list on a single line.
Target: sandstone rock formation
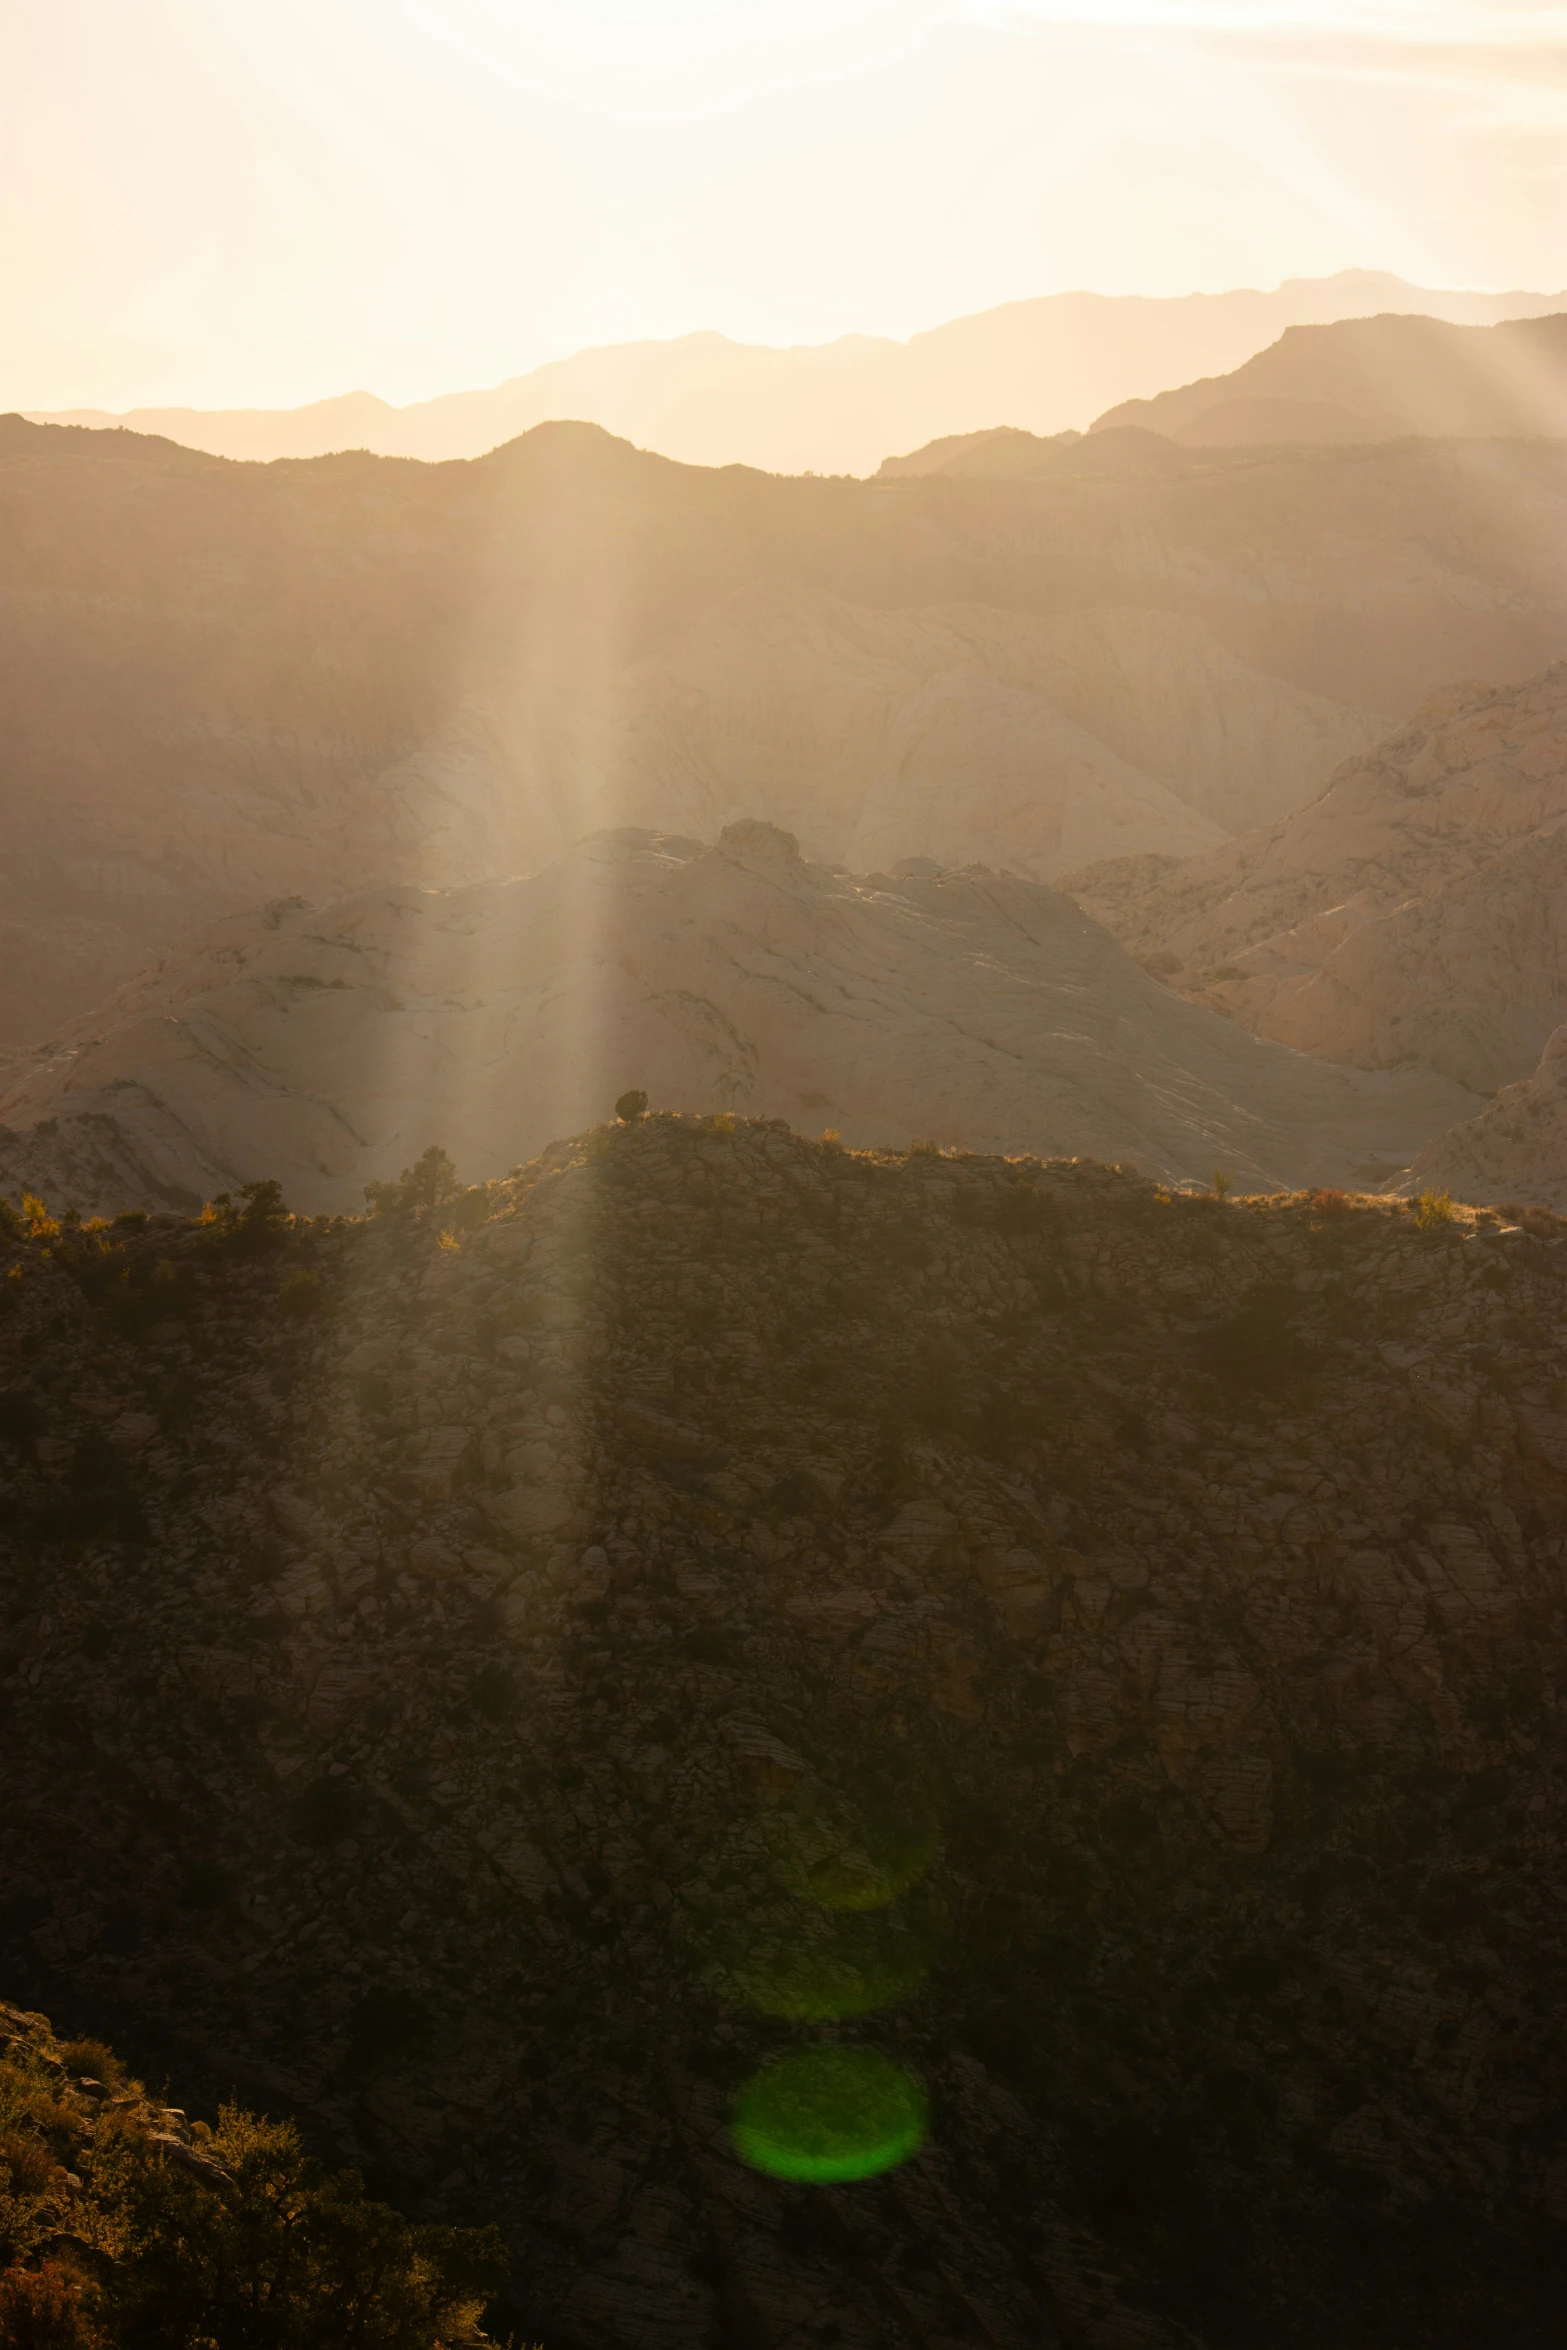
[(1046, 365), (221, 685), (414, 1652), (1375, 379), (330, 1046), (1415, 913)]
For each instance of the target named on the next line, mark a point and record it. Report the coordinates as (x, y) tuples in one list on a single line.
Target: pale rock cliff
[(1415, 913)]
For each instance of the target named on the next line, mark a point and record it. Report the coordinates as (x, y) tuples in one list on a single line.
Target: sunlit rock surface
[(1415, 913)]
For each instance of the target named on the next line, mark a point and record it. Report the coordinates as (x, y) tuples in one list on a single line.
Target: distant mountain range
[(1046, 366), (223, 685), (1372, 379)]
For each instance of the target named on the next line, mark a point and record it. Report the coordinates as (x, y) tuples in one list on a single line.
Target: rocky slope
[(1375, 379), (223, 684), (430, 1663), (1412, 914), (1513, 1149), (837, 407), (960, 732), (330, 1046)]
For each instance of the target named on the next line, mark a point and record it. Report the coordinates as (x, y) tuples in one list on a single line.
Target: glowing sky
[(207, 201)]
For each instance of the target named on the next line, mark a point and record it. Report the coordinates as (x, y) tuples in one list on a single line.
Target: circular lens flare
[(809, 1965), (825, 2116), (849, 1864)]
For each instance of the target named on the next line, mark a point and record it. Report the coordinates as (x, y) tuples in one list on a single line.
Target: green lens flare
[(849, 1865), (824, 2116), (809, 1965)]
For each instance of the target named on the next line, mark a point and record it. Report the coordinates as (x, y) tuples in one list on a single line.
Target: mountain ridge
[(1046, 363), (1374, 379), (224, 684)]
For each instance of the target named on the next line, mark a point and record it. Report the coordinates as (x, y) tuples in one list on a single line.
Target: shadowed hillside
[(488, 1679)]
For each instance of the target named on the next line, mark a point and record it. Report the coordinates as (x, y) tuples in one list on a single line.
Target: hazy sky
[(223, 203)]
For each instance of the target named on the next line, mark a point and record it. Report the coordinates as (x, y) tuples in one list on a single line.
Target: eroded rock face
[(329, 1046), (1515, 1149), (1413, 913), (417, 1657)]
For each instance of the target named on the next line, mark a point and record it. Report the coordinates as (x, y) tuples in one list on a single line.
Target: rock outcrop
[(433, 1650), (329, 1046), (223, 685), (1415, 913)]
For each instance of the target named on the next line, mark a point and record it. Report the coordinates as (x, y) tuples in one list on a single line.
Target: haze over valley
[(783, 1175)]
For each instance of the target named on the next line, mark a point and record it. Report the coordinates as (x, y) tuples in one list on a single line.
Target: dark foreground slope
[(427, 1662)]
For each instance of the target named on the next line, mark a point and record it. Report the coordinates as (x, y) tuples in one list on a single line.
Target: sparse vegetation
[(122, 2229), (428, 1184), (1432, 1209), (631, 1106), (1222, 1181), (251, 1222)]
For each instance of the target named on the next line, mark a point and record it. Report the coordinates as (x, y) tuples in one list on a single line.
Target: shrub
[(36, 1219), (1222, 1180), (431, 1180), (253, 1222), (631, 1106), (92, 2060), (277, 2253), (1432, 1209), (48, 2308)]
